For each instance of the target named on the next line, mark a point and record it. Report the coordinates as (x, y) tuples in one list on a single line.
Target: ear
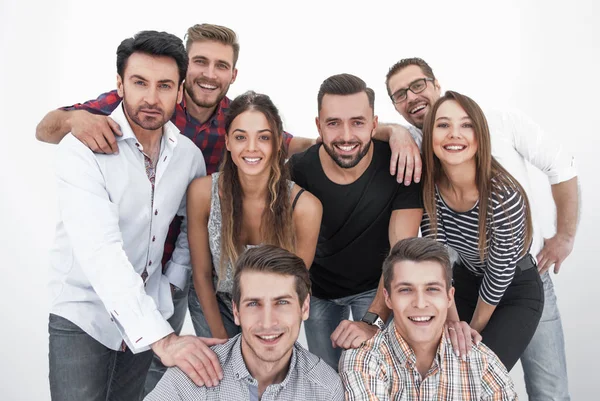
[(180, 93), (233, 76), (375, 124), (437, 86), (227, 141), (236, 314), (120, 86), (306, 307), (318, 126), (388, 301), (450, 297)]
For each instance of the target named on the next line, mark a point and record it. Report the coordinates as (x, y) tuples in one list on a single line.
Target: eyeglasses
[(415, 87)]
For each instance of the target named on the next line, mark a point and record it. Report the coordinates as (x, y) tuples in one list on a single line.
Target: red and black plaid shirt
[(208, 136)]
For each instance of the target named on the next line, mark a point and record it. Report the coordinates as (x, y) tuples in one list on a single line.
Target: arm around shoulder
[(307, 216)]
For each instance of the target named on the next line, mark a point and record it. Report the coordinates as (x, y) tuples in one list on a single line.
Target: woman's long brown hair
[(487, 168), (276, 226)]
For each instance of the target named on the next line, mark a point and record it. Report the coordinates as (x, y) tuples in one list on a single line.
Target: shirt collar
[(404, 353), (241, 371), (170, 131), (219, 113)]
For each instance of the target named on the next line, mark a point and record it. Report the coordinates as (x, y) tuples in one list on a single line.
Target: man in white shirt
[(110, 295), (515, 139)]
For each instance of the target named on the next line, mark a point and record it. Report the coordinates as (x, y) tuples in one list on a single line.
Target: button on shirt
[(110, 232), (384, 368), (516, 140), (308, 378)]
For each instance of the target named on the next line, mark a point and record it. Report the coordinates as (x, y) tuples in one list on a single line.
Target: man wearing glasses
[(515, 139)]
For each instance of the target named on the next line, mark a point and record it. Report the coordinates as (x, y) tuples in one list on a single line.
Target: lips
[(252, 160), (454, 147), (269, 339), (208, 86), (421, 320), (346, 147)]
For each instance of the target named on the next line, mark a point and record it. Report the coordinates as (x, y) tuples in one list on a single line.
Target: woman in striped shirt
[(475, 207)]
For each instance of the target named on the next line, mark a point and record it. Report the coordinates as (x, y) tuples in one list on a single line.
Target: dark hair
[(214, 33), (416, 249), (277, 226), (271, 259), (487, 167), (153, 43), (402, 64), (344, 84)]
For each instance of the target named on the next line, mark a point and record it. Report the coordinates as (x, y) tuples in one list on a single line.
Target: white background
[(541, 57)]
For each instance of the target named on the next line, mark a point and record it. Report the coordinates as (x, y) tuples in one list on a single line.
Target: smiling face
[(419, 298), (251, 142), (210, 72), (416, 106), (346, 124), (453, 137), (150, 91), (270, 315)]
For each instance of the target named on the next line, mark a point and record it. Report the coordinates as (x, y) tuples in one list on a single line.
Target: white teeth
[(347, 148), (206, 86), (454, 147), (252, 159), (421, 318), (418, 108), (269, 338)]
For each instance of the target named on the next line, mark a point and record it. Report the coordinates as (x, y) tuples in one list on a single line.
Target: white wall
[(541, 57)]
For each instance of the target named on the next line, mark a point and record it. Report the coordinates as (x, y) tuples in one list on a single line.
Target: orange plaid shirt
[(384, 368)]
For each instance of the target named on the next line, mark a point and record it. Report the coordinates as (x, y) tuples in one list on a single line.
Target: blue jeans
[(200, 323), (81, 368), (544, 362), (325, 316)]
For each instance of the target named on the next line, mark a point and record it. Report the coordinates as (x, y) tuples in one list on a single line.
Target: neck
[(266, 373), (254, 187), (202, 114), (461, 179), (424, 355), (149, 139), (341, 175)]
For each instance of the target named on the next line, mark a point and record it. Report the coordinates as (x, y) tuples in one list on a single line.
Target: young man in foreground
[(413, 359)]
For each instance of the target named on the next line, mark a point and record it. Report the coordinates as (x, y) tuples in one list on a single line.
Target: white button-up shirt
[(516, 140), (110, 230)]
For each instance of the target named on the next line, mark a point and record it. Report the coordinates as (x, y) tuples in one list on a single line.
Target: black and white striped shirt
[(506, 239)]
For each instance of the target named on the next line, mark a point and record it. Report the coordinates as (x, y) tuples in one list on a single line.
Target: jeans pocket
[(60, 325)]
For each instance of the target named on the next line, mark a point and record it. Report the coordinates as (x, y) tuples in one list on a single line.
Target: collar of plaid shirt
[(404, 353), (241, 371)]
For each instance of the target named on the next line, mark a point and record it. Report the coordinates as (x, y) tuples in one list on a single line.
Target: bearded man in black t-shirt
[(364, 212)]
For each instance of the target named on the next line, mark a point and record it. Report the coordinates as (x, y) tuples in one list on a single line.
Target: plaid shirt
[(308, 378), (384, 368), (208, 136)]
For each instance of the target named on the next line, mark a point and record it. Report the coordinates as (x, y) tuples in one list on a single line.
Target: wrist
[(159, 345), (373, 319)]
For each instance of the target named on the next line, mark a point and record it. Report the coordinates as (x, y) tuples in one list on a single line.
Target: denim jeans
[(325, 315), (200, 323), (83, 369), (544, 362)]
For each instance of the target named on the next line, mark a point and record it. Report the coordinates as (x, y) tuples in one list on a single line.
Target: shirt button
[(150, 263), (153, 238), (156, 212)]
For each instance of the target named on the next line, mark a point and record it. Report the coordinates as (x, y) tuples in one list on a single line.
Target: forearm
[(299, 144), (208, 301), (378, 305), (383, 132), (54, 126), (481, 316), (566, 199)]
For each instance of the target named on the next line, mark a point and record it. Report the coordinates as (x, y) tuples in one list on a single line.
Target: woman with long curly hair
[(251, 201), (477, 208)]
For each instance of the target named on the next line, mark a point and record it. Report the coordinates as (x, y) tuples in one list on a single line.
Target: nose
[(151, 95), (252, 143), (209, 71), (347, 133), (268, 318), (454, 132), (410, 96), (420, 300)]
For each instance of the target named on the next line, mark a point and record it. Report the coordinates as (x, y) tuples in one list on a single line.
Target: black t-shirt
[(353, 240)]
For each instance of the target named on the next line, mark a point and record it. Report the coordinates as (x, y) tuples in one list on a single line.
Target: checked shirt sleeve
[(103, 105)]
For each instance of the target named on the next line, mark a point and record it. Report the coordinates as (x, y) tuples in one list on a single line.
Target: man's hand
[(554, 252), (193, 356), (95, 131), (462, 337), (406, 158), (351, 334)]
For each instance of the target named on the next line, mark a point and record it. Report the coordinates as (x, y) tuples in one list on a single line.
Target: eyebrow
[(250, 299), (245, 132), (447, 118), (135, 76), (362, 118), (429, 284)]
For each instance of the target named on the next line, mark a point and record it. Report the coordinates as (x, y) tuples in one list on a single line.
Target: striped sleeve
[(506, 245)]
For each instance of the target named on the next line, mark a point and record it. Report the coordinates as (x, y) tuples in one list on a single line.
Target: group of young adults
[(149, 229)]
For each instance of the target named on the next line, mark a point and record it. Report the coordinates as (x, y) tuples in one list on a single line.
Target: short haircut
[(344, 84), (153, 43), (417, 249), (213, 33), (402, 64), (274, 260)]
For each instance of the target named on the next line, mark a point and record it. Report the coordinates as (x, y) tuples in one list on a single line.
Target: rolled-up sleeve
[(91, 221)]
